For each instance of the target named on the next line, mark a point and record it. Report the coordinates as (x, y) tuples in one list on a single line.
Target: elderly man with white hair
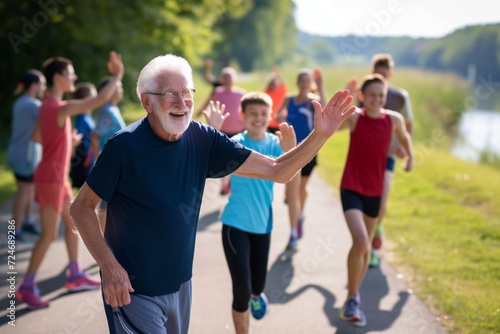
[(152, 174)]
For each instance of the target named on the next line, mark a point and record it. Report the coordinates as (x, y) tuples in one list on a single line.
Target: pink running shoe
[(31, 296), (82, 282)]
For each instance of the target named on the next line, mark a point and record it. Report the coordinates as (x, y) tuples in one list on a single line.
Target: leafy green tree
[(85, 31), (259, 38)]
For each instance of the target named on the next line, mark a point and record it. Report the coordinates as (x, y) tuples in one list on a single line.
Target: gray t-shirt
[(24, 118)]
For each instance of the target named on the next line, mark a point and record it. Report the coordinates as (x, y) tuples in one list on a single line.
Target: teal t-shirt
[(250, 202)]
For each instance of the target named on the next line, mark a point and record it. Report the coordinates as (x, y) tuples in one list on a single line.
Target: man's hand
[(215, 114), (327, 120), (287, 137), (116, 286)]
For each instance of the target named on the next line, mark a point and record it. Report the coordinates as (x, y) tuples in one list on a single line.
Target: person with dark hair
[(398, 100), (52, 189), (298, 110), (83, 157), (153, 174), (248, 216), (361, 188), (23, 154)]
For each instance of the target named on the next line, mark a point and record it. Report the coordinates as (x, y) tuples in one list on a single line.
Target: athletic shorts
[(307, 169), (152, 314), (23, 171), (53, 193), (369, 205), (390, 164)]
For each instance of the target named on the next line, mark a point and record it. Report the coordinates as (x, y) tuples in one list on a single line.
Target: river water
[(478, 135)]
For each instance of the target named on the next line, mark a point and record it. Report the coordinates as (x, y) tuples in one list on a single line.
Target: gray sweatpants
[(166, 314)]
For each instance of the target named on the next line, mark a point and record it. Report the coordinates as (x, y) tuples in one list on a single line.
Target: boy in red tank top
[(363, 180)]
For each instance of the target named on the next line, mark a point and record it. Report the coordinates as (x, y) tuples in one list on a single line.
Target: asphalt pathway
[(305, 290)]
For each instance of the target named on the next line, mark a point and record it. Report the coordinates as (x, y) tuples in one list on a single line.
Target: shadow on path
[(373, 290), (46, 287)]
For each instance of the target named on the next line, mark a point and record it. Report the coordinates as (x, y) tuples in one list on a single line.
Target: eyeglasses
[(187, 95)]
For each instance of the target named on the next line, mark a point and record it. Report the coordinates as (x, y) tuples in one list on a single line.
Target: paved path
[(305, 291)]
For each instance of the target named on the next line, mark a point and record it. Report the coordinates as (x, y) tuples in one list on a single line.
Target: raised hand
[(215, 114), (327, 120), (115, 65), (286, 136), (352, 85), (76, 138)]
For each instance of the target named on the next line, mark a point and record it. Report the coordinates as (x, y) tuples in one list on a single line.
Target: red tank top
[(367, 157), (56, 143)]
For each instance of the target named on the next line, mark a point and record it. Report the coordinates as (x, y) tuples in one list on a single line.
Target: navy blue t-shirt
[(154, 190)]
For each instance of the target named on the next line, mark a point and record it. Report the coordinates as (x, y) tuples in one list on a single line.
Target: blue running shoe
[(362, 319), (351, 311), (258, 306)]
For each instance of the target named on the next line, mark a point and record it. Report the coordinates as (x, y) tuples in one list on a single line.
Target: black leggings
[(247, 255)]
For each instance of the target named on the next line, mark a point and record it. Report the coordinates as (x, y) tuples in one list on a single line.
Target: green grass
[(443, 228), (443, 221)]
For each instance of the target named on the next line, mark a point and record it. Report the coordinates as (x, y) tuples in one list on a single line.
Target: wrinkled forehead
[(172, 79)]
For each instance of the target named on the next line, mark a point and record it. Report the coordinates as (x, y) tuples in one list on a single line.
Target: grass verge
[(443, 227)]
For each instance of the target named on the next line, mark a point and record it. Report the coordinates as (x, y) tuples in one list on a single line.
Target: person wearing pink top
[(230, 96), (52, 189)]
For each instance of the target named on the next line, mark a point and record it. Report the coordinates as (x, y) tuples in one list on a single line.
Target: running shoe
[(258, 306), (351, 311), (82, 282), (29, 227), (374, 259), (292, 245), (31, 296)]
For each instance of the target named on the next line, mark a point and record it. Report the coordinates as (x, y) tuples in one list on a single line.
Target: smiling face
[(374, 96), (169, 119), (256, 118)]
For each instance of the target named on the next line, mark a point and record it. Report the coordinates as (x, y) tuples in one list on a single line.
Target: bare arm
[(280, 115), (94, 141), (318, 78), (75, 107), (327, 120), (36, 135), (207, 71), (404, 138), (116, 285)]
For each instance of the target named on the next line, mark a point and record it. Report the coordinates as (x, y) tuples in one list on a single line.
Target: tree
[(85, 31), (258, 39)]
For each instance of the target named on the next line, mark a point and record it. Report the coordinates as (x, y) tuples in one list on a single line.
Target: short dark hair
[(83, 90), (384, 60), (28, 78), (373, 78), (256, 98), (54, 65)]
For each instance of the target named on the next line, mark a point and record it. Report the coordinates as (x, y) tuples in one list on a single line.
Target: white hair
[(148, 78)]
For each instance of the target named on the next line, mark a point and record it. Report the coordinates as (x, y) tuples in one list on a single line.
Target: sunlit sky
[(415, 18)]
